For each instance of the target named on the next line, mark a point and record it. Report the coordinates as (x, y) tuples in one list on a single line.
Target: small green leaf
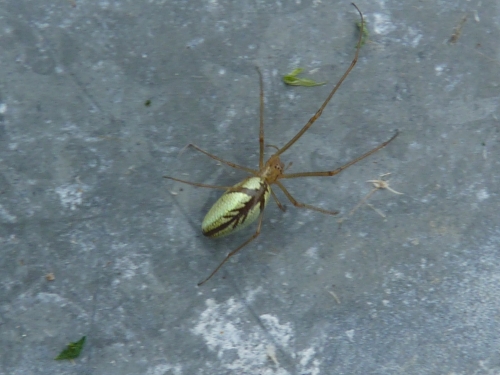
[(73, 350), (147, 103), (363, 31), (292, 79)]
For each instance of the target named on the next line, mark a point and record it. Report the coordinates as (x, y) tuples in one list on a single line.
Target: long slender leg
[(280, 206), (198, 184), (233, 165), (255, 235), (303, 205), (340, 169), (335, 88), (261, 128)]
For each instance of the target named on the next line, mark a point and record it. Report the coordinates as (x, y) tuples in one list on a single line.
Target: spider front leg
[(296, 203), (345, 166)]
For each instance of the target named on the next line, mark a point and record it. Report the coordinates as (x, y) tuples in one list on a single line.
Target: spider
[(244, 202)]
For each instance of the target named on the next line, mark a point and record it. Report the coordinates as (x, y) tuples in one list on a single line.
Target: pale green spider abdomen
[(237, 208)]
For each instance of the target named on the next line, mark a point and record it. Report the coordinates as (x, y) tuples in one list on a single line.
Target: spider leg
[(280, 206), (198, 184), (340, 169), (318, 113), (254, 236), (232, 165), (303, 205), (261, 115)]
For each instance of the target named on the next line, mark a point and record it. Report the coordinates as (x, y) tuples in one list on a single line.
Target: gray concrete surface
[(82, 196)]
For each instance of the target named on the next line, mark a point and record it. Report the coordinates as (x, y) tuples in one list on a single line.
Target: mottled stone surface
[(99, 98)]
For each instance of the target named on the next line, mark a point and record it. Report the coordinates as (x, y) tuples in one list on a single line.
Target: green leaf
[(364, 32), (292, 79), (73, 350)]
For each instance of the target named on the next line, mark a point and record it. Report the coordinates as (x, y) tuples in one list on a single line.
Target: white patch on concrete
[(482, 195), (312, 252), (71, 195), (241, 345), (195, 42), (52, 298), (350, 335), (6, 217), (461, 111), (212, 6), (413, 37), (439, 69), (230, 114), (282, 333), (415, 145), (395, 274), (133, 265), (382, 24), (306, 356), (164, 370)]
